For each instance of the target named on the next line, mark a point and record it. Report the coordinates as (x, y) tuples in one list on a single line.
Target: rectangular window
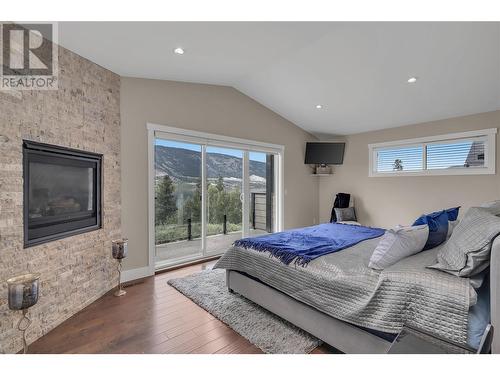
[(457, 154), (408, 158), (449, 154)]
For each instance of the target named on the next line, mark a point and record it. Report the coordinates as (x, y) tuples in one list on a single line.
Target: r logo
[(27, 49)]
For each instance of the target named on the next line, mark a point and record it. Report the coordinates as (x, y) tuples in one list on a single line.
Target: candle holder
[(23, 293), (119, 251)]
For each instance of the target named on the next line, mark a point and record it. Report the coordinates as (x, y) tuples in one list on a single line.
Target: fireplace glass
[(61, 192)]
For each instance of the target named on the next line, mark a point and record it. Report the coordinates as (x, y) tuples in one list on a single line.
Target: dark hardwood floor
[(152, 318)]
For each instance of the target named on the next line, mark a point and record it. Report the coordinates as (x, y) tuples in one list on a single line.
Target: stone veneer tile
[(84, 113)]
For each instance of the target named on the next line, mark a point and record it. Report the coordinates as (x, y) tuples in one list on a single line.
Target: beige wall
[(387, 201), (82, 114), (213, 109)]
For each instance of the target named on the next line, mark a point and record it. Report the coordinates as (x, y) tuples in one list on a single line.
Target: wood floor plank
[(198, 341), (217, 344), (174, 345), (208, 326), (239, 346)]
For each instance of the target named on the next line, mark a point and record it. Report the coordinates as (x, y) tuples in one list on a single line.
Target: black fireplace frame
[(39, 231)]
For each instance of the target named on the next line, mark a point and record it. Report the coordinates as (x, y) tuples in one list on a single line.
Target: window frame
[(489, 135)]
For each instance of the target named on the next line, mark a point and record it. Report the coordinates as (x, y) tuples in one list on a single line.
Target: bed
[(340, 300)]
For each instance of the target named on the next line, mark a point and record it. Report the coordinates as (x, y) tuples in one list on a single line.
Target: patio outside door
[(225, 197), (178, 199), (207, 196)]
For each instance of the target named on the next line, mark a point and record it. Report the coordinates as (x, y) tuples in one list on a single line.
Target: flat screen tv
[(324, 153)]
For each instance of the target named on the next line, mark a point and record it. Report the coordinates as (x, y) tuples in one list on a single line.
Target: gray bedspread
[(343, 286)]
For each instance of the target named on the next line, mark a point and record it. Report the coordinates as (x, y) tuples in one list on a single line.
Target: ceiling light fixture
[(319, 106), (412, 80), (179, 51)]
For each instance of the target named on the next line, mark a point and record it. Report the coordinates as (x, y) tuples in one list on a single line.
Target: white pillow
[(398, 243)]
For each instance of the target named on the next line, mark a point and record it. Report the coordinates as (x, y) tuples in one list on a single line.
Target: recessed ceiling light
[(319, 106), (412, 80), (179, 51)]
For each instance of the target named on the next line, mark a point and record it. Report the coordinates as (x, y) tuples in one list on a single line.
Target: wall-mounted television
[(324, 153)]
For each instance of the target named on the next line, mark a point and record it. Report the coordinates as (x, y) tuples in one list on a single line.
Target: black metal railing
[(254, 211)]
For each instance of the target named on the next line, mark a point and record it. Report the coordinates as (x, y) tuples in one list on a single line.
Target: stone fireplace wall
[(84, 113)]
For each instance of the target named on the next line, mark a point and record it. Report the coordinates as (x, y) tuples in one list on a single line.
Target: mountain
[(185, 165)]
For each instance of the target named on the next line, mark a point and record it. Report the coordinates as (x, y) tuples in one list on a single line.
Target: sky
[(254, 156)]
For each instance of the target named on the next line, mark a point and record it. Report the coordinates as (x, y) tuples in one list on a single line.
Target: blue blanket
[(305, 244)]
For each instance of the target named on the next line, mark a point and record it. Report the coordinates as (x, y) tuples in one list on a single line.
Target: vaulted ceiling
[(357, 71)]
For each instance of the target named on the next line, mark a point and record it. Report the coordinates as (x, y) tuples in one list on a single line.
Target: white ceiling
[(357, 71)]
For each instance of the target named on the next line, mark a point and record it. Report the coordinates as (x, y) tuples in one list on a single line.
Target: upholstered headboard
[(495, 294)]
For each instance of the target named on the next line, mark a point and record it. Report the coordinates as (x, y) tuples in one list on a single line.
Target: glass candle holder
[(120, 248), (119, 251), (23, 293)]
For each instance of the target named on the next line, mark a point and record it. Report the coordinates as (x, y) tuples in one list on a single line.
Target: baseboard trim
[(136, 273)]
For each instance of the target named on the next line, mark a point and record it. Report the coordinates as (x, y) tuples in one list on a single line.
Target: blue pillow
[(438, 227), (453, 213)]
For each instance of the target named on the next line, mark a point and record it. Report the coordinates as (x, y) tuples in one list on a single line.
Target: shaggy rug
[(262, 328)]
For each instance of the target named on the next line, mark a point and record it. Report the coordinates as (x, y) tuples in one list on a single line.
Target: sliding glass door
[(207, 195), (224, 191), (262, 170), (178, 198)]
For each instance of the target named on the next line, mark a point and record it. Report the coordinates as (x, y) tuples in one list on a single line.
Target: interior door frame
[(209, 139)]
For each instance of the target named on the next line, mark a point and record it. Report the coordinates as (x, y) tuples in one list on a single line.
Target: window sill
[(436, 172)]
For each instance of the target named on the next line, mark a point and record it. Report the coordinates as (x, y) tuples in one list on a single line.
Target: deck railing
[(258, 207)]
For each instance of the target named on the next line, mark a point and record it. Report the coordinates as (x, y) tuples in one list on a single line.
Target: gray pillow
[(467, 252), (476, 262), (345, 214), (493, 207)]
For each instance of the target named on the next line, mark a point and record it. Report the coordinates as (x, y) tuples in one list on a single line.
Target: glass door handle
[(241, 197)]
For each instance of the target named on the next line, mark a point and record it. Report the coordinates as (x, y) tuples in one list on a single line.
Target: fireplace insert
[(62, 192)]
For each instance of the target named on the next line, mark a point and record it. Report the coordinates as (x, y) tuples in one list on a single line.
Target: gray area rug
[(262, 328)]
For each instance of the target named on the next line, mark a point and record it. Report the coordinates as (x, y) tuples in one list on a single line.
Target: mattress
[(343, 286)]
